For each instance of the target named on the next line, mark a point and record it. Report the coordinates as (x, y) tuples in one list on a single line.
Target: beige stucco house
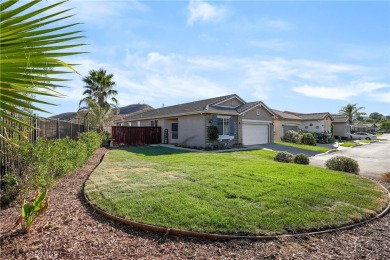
[(313, 122), (341, 127), (238, 122)]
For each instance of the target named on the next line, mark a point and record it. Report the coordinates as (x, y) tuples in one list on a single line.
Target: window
[(258, 112), (223, 125), (152, 123), (138, 123), (175, 130), (128, 123), (306, 127), (317, 127)]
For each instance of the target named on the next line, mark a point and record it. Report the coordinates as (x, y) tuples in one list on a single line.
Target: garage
[(255, 132)]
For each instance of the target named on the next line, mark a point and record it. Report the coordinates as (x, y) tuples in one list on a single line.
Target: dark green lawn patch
[(304, 146), (242, 192)]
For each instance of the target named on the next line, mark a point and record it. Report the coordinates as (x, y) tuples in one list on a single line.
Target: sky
[(303, 56)]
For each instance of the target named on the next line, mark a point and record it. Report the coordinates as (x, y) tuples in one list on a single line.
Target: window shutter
[(214, 121), (231, 123)]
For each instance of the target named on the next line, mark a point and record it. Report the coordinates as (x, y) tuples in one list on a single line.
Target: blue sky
[(305, 56)]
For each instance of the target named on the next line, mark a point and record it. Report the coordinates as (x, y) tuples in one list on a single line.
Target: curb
[(181, 232)]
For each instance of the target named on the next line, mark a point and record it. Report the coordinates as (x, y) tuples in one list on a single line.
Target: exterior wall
[(316, 126), (252, 115), (208, 123), (234, 102), (279, 127), (192, 130), (341, 129)]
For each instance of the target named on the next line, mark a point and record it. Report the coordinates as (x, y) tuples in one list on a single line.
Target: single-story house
[(238, 122), (341, 127), (364, 128), (313, 122)]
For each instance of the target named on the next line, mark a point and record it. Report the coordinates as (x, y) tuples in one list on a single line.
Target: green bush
[(301, 159), (342, 163), (292, 137), (284, 157), (308, 138), (212, 132), (42, 163)]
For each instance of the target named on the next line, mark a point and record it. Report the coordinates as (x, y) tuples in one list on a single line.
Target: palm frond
[(31, 51)]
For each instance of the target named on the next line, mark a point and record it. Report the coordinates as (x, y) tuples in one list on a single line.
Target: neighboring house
[(238, 122), (313, 122), (341, 127), (285, 122), (364, 128)]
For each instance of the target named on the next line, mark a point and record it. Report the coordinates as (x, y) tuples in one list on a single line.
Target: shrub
[(301, 159), (291, 137), (212, 132), (45, 161), (344, 164), (284, 157), (308, 138)]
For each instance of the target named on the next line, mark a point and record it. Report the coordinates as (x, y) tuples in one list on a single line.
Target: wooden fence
[(128, 135)]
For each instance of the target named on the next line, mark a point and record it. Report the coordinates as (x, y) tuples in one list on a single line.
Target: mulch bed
[(72, 230)]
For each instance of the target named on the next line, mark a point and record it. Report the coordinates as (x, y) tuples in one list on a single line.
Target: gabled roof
[(201, 106), (206, 106), (314, 116), (339, 119), (285, 115)]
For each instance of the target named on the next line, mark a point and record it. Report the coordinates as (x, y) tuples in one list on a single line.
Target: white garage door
[(253, 133)]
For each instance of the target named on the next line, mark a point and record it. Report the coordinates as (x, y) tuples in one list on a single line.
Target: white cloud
[(353, 89), (200, 10)]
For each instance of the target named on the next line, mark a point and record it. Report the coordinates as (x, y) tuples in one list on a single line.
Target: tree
[(350, 111), (369, 120), (100, 88), (376, 116), (30, 59), (96, 115), (385, 125)]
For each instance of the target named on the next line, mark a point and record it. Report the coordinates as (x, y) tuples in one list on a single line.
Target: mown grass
[(349, 144), (304, 146), (242, 192)]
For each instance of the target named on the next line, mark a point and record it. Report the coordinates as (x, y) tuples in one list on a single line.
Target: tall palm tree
[(100, 88), (350, 111), (30, 59)]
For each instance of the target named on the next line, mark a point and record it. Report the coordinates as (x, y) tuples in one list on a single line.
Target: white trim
[(225, 137), (255, 122), (226, 117)]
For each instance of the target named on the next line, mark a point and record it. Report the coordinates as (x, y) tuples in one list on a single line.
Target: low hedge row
[(42, 163), (288, 157)]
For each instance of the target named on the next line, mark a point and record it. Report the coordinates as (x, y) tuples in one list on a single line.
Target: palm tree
[(350, 111), (100, 88), (96, 115), (30, 59)]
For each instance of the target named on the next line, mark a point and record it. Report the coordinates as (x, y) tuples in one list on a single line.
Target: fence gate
[(135, 135)]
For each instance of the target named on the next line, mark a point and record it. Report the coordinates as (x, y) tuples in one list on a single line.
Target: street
[(373, 159)]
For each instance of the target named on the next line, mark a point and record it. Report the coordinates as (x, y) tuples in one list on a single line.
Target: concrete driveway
[(373, 159)]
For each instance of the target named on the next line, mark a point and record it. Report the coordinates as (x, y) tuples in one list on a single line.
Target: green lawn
[(349, 144), (242, 192), (304, 146)]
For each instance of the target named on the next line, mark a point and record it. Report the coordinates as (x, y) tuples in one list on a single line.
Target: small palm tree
[(100, 88), (30, 59), (96, 115), (350, 111)]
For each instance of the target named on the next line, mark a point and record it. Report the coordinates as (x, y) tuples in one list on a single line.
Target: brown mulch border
[(70, 229)]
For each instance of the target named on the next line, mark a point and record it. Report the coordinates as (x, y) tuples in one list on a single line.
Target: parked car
[(362, 135)]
